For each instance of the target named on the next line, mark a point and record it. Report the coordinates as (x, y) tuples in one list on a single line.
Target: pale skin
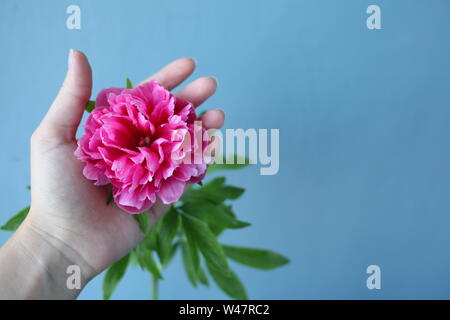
[(69, 222)]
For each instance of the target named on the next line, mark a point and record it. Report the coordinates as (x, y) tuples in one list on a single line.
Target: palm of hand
[(78, 209), (67, 206)]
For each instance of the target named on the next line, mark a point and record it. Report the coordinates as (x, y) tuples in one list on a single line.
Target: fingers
[(174, 73), (213, 119), (179, 70), (198, 90), (64, 115)]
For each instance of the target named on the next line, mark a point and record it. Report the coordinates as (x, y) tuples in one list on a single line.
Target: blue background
[(363, 116)]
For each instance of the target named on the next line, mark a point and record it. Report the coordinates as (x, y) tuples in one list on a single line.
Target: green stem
[(154, 288)]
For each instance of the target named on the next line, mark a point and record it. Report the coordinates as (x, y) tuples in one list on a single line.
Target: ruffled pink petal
[(171, 190), (91, 172), (102, 97)]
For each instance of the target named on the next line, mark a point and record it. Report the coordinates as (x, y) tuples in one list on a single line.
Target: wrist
[(43, 265)]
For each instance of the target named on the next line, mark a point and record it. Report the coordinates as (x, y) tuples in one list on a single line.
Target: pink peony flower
[(145, 143)]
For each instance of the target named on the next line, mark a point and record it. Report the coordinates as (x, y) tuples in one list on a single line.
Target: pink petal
[(171, 190)]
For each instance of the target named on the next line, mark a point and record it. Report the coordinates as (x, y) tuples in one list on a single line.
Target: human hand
[(68, 213)]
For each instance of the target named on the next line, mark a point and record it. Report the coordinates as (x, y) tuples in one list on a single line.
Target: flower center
[(144, 141)]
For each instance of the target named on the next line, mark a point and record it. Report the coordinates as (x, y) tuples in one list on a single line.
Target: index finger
[(174, 73)]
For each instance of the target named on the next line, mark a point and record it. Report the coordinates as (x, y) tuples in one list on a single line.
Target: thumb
[(64, 116)]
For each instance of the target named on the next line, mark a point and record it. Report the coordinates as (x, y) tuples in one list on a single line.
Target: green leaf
[(188, 264), (166, 233), (150, 240), (207, 243), (214, 215), (13, 223), (134, 258), (195, 274), (215, 183), (232, 192), (193, 250), (214, 191), (146, 261), (90, 105), (239, 162), (142, 220), (113, 275), (228, 283), (194, 194), (217, 188), (202, 276), (218, 230), (172, 253), (129, 84), (255, 258)]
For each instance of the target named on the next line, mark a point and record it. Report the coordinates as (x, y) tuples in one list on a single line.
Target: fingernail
[(193, 59), (70, 59), (216, 80)]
